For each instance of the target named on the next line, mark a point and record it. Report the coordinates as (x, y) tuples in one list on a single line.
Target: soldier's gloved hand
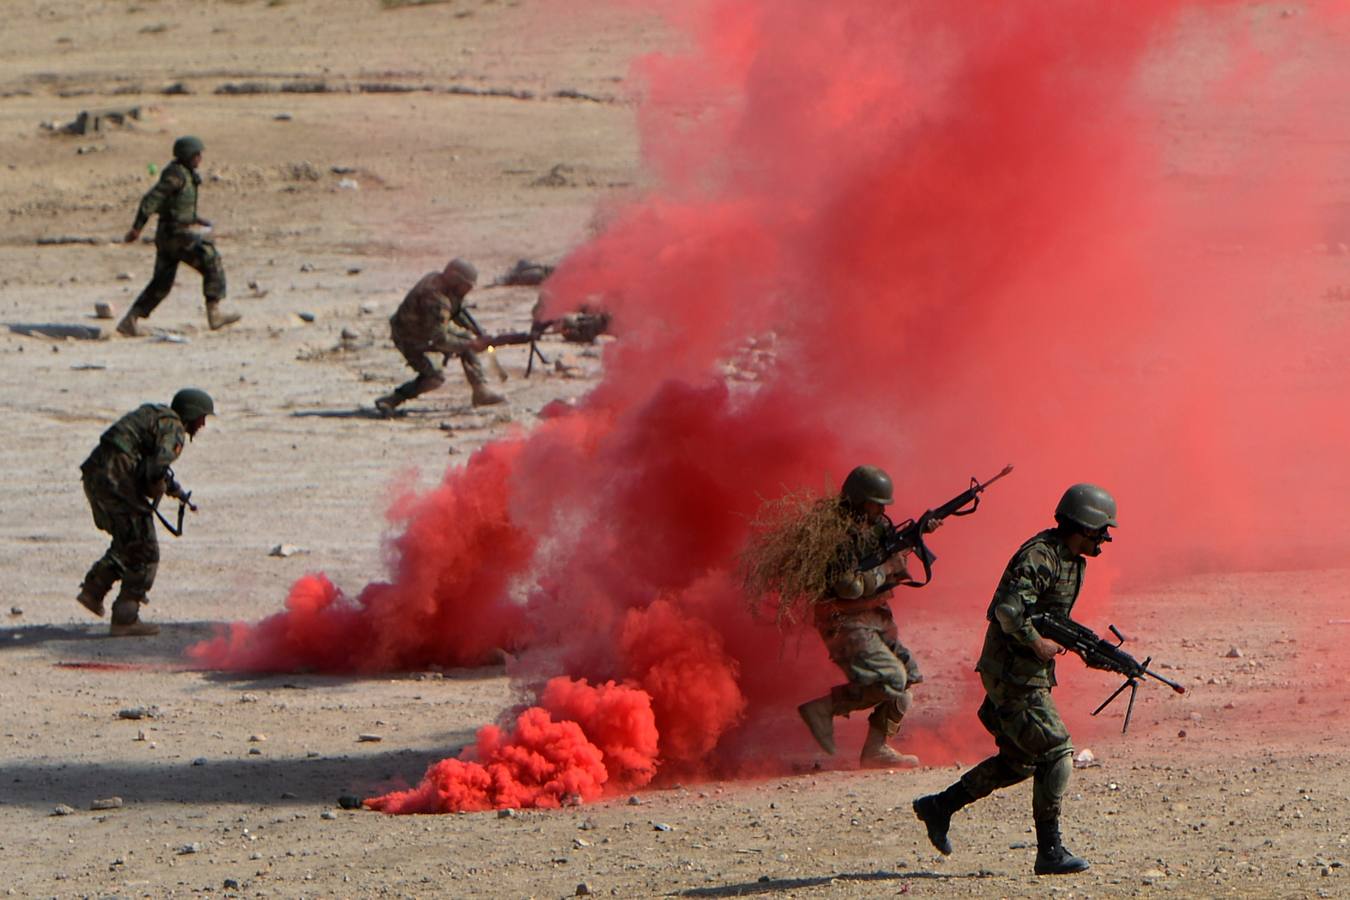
[(132, 235)]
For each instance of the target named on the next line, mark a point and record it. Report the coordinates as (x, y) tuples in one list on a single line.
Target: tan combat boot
[(388, 404), (128, 327), (90, 601), (218, 319), (485, 396), (133, 629), (818, 714), (877, 754)]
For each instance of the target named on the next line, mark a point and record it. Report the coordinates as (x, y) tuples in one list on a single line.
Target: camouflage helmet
[(462, 270), (192, 403), (187, 147), (868, 484), (1088, 506)]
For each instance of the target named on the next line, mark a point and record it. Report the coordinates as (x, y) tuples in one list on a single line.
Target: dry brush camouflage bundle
[(797, 542)]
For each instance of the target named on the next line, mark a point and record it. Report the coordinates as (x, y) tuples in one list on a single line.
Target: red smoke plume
[(971, 233)]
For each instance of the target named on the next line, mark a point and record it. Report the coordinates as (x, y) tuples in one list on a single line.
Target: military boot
[(126, 620), (91, 600), (485, 396), (935, 812), (217, 318), (388, 404), (127, 327), (1052, 857), (818, 714), (877, 754)]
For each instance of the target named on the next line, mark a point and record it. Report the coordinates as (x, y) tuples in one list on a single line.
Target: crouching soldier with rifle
[(124, 478), (1017, 667)]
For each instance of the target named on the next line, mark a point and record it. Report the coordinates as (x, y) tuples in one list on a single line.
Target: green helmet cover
[(187, 147), (868, 483), (192, 403), (463, 270), (1088, 506)]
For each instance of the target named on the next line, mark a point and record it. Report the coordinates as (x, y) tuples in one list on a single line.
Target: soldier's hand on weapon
[(931, 525), (480, 343), (897, 566), (1046, 649), (132, 235)]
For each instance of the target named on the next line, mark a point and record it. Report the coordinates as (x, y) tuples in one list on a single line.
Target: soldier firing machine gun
[(908, 535), (1099, 653)]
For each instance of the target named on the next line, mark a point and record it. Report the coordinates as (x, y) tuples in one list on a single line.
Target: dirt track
[(1250, 802)]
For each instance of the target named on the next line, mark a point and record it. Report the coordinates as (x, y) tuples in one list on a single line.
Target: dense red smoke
[(1077, 236)]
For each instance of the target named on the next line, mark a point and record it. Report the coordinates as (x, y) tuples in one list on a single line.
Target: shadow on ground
[(768, 885)]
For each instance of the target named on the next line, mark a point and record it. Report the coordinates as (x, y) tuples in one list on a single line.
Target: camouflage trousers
[(199, 253), (1032, 743), (133, 556), (878, 668), (429, 377)]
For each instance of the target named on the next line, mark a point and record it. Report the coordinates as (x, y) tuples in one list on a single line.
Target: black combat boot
[(935, 811), (1052, 857)]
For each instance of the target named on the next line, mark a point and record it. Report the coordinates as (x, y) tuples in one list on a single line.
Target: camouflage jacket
[(847, 583), (151, 436), (174, 198), (1043, 576), (428, 314)]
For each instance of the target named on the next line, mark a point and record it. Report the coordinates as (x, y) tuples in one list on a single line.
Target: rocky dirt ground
[(492, 130)]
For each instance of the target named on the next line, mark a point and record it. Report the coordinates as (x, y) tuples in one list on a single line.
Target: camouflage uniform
[(1043, 576), (863, 641), (128, 469), (425, 323), (174, 199)]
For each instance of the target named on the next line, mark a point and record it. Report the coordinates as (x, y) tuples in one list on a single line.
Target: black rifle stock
[(908, 535), (1099, 653)]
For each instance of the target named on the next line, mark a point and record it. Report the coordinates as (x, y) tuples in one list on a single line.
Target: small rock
[(107, 803), (327, 814), (349, 334), (255, 751), (369, 738), (306, 316), (189, 848), (1085, 759), (231, 884), (248, 698), (166, 338), (349, 801), (660, 826), (1153, 874), (287, 795), (16, 610), (121, 276), (584, 890), (140, 734), (104, 310), (1233, 653), (349, 184), (282, 117), (353, 270), (507, 813), (306, 267), (61, 809), (285, 550), (1018, 845), (635, 800), (199, 761), (580, 842), (256, 738), (369, 307), (134, 712)]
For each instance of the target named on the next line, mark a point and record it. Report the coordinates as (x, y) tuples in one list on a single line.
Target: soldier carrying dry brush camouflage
[(129, 470), (425, 323), (178, 240)]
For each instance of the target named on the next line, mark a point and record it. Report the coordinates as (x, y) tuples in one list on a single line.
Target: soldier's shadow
[(768, 885)]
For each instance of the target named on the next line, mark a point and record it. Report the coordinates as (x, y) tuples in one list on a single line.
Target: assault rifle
[(1099, 653), (908, 535)]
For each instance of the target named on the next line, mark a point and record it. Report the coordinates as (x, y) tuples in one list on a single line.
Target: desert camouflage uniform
[(174, 199), (1043, 576), (863, 641), (424, 323), (129, 469)]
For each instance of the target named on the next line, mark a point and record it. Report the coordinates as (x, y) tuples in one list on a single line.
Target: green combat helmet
[(463, 270), (1088, 506), (868, 483), (187, 147), (192, 403)]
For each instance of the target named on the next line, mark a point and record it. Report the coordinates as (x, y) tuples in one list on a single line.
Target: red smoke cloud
[(972, 233)]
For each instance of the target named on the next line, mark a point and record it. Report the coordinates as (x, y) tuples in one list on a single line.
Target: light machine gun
[(908, 535), (1099, 653)]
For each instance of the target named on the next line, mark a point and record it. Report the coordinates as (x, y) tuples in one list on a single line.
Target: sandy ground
[(228, 784)]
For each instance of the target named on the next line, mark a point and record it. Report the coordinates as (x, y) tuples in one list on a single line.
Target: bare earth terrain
[(494, 131)]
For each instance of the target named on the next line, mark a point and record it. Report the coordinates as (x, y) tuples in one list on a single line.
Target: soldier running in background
[(858, 628), (177, 240), (425, 323), (1017, 667), (127, 473)]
